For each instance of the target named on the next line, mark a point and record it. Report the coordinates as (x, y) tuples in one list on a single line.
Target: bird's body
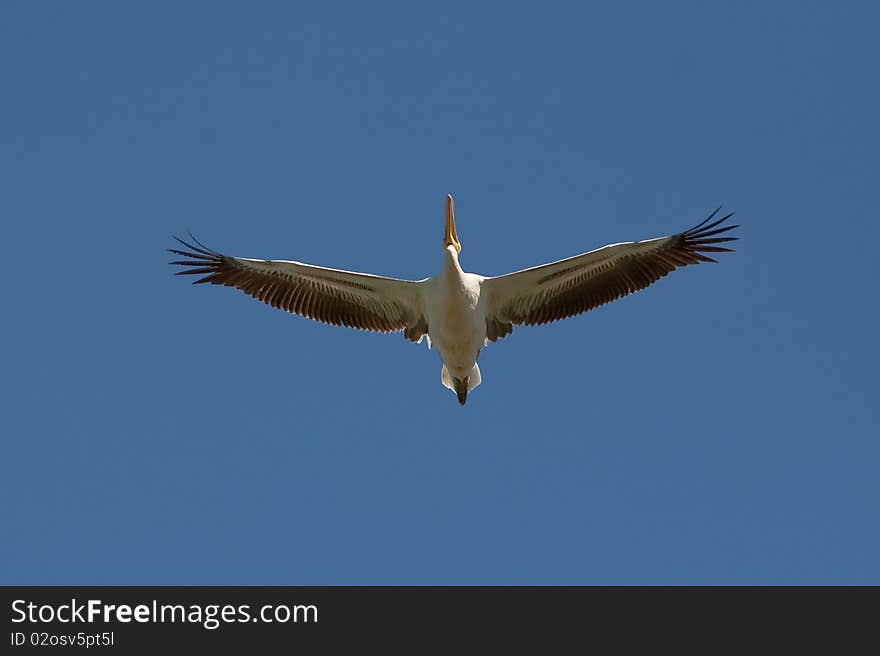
[(456, 312), (459, 312)]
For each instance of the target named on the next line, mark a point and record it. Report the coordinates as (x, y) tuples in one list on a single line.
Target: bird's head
[(450, 237)]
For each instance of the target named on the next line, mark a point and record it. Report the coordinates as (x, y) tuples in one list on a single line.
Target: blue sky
[(719, 427)]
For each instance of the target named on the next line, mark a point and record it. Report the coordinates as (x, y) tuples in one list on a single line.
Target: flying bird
[(459, 312)]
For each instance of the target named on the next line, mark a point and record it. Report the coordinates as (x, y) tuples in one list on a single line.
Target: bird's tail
[(461, 386)]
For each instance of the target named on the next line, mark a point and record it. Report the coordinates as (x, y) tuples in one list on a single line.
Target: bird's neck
[(450, 262)]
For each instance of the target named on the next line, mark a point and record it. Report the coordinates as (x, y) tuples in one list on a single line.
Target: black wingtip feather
[(195, 249), (701, 238), (199, 258), (706, 220), (206, 249)]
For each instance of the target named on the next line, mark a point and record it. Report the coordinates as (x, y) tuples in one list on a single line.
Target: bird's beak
[(451, 238)]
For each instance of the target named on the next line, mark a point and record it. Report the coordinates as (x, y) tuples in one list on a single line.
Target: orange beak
[(451, 238)]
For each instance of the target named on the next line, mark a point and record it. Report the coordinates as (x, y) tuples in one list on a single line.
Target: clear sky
[(720, 427)]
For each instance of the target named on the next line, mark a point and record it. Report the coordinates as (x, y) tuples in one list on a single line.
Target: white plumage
[(459, 312)]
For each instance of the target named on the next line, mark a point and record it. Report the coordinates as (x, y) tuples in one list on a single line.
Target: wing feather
[(558, 290), (333, 296)]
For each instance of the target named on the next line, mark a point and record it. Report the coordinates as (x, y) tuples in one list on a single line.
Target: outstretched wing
[(563, 289), (340, 298)]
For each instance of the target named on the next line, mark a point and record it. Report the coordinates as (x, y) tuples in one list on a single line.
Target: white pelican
[(459, 312)]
